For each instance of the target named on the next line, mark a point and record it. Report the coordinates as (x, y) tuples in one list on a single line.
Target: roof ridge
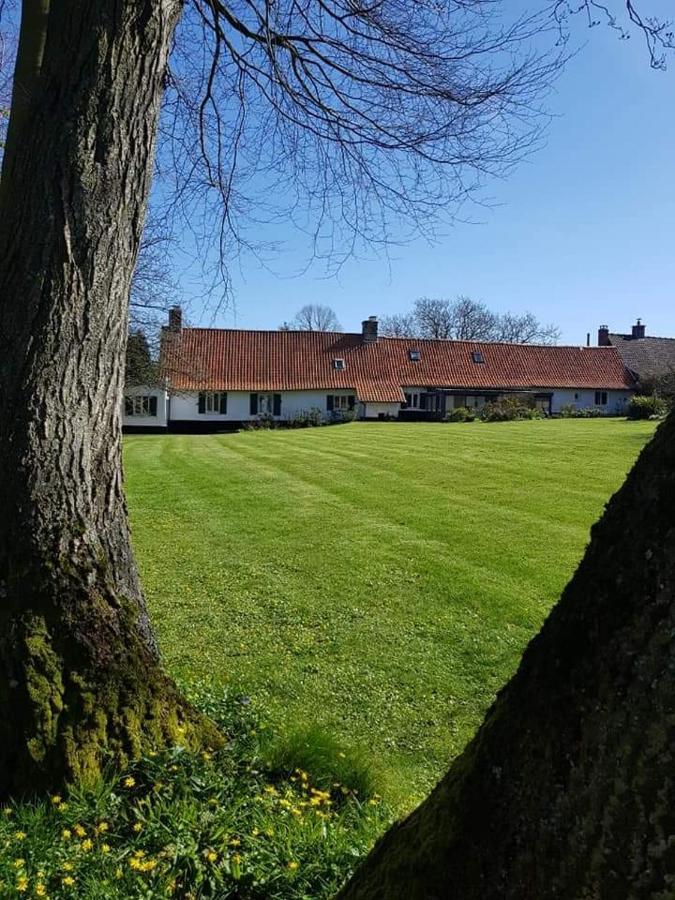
[(386, 337)]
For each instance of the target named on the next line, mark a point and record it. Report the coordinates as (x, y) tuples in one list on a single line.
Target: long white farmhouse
[(215, 378)]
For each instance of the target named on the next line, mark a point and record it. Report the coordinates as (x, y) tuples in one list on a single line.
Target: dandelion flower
[(105, 848), (79, 830), (129, 781), (87, 844), (212, 856), (66, 834), (293, 865), (102, 827), (137, 827), (20, 835), (19, 863), (68, 880), (67, 867), (22, 885), (56, 799), (40, 890)]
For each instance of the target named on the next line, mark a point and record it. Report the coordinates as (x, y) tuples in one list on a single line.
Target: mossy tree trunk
[(80, 677), (568, 789)]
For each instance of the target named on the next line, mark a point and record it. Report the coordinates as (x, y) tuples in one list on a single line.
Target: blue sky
[(581, 234)]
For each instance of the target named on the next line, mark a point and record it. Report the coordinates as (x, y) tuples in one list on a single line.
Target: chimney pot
[(638, 330), (175, 318), (603, 336), (369, 330)]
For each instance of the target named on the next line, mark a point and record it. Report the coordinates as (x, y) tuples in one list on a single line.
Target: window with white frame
[(212, 403), (340, 402), (265, 404), (339, 364), (140, 405), (601, 398), (412, 401)]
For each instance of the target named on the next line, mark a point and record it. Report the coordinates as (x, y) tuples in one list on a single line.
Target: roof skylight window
[(339, 364), (477, 356), (415, 355)]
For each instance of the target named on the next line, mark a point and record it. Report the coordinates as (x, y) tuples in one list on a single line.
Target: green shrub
[(509, 409), (461, 414), (225, 824), (647, 407), (570, 411), (262, 422), (305, 418)]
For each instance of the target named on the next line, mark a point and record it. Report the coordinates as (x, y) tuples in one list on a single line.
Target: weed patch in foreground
[(221, 824)]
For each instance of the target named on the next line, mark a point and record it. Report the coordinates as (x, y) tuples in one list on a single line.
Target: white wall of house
[(137, 395), (375, 410), (583, 398), (185, 406)]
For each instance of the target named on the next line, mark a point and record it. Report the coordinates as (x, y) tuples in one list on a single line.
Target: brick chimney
[(603, 336), (638, 330), (369, 330), (175, 318)]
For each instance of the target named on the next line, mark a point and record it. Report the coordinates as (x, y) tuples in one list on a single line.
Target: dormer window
[(477, 356), (415, 355), (339, 365)]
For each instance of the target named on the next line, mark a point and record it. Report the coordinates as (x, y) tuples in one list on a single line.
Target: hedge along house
[(214, 378)]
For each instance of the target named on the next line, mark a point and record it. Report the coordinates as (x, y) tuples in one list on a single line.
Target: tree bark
[(568, 789), (80, 676)]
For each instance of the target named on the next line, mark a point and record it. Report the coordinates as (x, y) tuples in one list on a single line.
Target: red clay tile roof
[(224, 359)]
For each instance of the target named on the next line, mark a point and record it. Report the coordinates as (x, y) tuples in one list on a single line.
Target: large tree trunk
[(80, 678), (568, 789)]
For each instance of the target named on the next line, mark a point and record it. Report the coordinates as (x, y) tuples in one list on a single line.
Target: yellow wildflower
[(66, 834), (139, 854), (255, 832), (20, 835), (19, 863), (68, 880), (56, 799), (62, 807), (234, 842), (206, 756), (212, 856), (137, 827), (40, 890), (79, 831), (22, 885), (87, 844), (292, 865), (236, 858), (119, 873), (102, 827), (105, 848), (129, 781), (7, 811), (67, 867)]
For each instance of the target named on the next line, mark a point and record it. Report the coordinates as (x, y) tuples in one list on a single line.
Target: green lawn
[(379, 580)]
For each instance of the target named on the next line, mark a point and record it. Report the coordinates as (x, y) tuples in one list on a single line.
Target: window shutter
[(352, 402), (223, 403), (254, 404), (153, 406), (277, 404), (329, 402), (202, 403)]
